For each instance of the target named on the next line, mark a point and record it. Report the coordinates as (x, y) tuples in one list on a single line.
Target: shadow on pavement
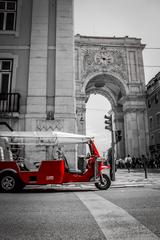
[(51, 190)]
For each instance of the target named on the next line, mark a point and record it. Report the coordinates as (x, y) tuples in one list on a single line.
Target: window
[(156, 98), (8, 12), (158, 119), (152, 140), (5, 75), (150, 122), (149, 103)]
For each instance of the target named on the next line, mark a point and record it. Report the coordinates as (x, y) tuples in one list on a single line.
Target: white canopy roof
[(46, 137)]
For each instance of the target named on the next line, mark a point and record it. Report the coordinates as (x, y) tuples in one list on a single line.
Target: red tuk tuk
[(40, 158)]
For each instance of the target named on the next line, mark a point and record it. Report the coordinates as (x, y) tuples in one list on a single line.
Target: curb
[(127, 185)]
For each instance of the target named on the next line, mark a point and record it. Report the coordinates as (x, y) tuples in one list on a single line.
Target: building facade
[(47, 74), (37, 64), (153, 107)]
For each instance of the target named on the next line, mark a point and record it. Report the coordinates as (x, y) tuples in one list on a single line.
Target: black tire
[(105, 184), (9, 182)]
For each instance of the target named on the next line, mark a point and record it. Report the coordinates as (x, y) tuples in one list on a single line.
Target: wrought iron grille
[(9, 102)]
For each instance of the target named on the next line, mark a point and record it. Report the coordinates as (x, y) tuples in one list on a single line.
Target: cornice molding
[(21, 47), (134, 109)]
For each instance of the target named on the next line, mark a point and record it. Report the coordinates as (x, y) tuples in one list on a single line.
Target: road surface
[(81, 214)]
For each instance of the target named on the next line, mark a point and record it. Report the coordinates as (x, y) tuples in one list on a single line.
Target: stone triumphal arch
[(113, 67)]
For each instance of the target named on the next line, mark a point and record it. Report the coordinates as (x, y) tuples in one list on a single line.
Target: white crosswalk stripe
[(115, 222)]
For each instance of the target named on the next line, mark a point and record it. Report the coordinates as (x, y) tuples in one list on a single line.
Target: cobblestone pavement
[(136, 177)]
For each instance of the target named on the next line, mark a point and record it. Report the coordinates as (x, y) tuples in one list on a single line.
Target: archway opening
[(96, 107)]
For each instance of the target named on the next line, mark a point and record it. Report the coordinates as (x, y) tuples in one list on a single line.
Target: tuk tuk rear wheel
[(103, 184), (9, 182)]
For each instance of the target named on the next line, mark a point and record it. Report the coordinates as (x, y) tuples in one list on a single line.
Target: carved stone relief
[(49, 125), (103, 59)]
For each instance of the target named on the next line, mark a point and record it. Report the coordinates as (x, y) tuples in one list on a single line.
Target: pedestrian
[(144, 161), (128, 162), (140, 164), (116, 164), (121, 163), (133, 162)]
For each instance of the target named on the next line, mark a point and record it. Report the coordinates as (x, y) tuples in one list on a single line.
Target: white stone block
[(39, 92), (38, 54), (36, 108), (36, 100), (38, 62), (37, 69), (63, 92)]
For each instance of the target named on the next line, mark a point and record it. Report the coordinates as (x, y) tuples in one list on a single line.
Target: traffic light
[(118, 136), (108, 122)]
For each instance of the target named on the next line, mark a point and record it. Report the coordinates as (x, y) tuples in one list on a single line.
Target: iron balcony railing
[(154, 148), (9, 102)]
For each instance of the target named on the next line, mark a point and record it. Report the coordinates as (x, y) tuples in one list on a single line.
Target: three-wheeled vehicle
[(48, 157)]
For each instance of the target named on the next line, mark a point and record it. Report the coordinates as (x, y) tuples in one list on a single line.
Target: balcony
[(154, 148), (9, 103)]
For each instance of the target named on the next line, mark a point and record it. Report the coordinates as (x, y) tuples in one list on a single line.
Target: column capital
[(133, 103), (129, 98), (136, 108)]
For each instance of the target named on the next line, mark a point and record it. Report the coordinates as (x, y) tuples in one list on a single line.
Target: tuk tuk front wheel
[(104, 182), (9, 182)]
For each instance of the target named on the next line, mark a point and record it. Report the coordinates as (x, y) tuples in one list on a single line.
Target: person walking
[(145, 164), (128, 162)]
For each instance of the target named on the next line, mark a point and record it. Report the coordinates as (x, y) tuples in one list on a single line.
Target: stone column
[(36, 100), (135, 128), (65, 84)]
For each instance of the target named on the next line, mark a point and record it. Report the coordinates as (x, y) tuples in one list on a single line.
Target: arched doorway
[(113, 68), (113, 90), (96, 107)]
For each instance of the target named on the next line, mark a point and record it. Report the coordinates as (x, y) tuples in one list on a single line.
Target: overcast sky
[(133, 18)]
